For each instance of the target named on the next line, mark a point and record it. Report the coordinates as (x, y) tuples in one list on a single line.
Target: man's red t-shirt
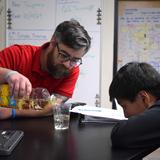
[(26, 60)]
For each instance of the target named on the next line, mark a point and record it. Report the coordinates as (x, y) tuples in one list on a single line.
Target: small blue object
[(12, 101), (13, 113)]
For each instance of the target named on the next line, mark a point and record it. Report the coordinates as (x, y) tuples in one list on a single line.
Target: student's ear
[(145, 97)]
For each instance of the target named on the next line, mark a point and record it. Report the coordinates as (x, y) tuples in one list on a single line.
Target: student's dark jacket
[(139, 131)]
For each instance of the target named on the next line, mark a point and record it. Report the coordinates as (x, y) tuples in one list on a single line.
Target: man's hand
[(19, 85)]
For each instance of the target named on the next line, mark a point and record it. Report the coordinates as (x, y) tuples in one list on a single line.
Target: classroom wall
[(107, 36), (2, 23), (107, 29)]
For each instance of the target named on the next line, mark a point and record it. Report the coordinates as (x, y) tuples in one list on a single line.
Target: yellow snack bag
[(5, 99), (4, 90), (38, 99)]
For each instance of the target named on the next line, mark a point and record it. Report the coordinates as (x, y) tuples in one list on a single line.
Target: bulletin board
[(137, 32)]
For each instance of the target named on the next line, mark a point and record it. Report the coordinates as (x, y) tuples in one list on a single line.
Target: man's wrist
[(8, 74), (13, 113)]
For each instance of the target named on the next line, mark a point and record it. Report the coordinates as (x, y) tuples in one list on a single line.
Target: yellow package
[(39, 98), (5, 99)]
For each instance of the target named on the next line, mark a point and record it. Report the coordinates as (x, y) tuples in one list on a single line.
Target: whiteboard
[(85, 11), (32, 21), (139, 33), (88, 84)]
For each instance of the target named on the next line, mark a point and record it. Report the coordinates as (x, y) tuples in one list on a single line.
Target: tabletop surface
[(79, 142)]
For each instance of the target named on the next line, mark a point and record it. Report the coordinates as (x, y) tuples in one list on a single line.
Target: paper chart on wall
[(139, 36)]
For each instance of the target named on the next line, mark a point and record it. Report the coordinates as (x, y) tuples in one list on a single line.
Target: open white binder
[(97, 114), (155, 155)]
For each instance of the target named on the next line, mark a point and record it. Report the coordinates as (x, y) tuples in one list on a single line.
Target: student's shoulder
[(150, 114), (155, 108)]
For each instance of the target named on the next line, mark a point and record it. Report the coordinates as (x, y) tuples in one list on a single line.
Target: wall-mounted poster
[(138, 32)]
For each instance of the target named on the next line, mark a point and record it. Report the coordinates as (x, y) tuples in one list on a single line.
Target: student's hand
[(19, 85), (5, 113)]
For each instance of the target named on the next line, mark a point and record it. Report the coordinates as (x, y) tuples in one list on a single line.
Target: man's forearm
[(60, 98), (34, 113)]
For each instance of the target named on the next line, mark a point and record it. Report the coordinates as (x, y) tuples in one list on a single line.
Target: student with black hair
[(136, 87)]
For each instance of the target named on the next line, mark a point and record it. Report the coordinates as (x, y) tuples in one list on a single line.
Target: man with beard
[(54, 66)]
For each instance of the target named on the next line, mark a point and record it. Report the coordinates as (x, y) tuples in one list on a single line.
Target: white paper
[(99, 112), (155, 155)]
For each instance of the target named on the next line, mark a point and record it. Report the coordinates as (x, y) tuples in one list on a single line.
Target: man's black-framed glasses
[(66, 57)]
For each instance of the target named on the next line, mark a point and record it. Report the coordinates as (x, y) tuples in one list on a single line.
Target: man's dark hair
[(132, 78), (72, 34)]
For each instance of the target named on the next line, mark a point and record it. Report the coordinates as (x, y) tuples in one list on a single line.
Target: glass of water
[(61, 114)]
